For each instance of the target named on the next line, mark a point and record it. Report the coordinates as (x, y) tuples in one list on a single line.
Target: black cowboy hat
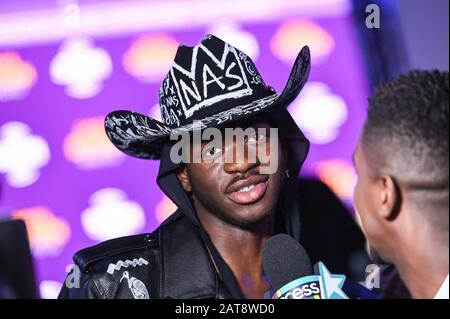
[(212, 83)]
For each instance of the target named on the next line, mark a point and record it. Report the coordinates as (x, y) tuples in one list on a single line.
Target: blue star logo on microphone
[(323, 286), (331, 285)]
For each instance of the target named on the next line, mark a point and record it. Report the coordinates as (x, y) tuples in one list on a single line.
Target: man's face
[(236, 191), (366, 200)]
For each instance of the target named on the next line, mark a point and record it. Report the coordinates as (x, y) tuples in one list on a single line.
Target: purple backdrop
[(53, 204)]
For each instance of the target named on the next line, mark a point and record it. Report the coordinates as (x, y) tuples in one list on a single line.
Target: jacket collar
[(187, 271)]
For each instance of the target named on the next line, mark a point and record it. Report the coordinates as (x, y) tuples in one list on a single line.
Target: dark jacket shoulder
[(88, 258), (125, 267), (171, 262)]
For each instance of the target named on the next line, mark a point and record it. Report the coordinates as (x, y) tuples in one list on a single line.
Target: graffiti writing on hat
[(169, 103), (208, 81)]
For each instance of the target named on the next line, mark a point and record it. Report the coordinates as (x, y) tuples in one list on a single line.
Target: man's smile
[(248, 191)]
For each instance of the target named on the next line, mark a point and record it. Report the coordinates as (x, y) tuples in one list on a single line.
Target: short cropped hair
[(407, 129)]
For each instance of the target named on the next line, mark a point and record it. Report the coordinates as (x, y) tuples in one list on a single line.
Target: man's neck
[(423, 261), (241, 249)]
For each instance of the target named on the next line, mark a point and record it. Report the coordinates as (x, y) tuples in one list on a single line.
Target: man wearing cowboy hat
[(211, 247)]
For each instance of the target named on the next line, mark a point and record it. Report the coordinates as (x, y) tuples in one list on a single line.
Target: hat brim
[(141, 136)]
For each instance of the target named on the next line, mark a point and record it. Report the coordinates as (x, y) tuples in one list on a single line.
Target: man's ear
[(183, 177), (390, 198)]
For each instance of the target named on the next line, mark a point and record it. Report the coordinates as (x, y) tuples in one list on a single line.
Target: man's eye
[(257, 138), (211, 151)]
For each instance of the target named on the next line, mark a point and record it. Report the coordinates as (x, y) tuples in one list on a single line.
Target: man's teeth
[(246, 188)]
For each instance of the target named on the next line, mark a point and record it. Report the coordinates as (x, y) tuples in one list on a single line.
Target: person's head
[(402, 162), (215, 85), (237, 189)]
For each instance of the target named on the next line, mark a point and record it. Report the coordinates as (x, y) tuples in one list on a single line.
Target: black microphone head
[(285, 260)]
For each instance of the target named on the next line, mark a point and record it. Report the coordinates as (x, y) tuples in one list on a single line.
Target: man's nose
[(243, 167), (240, 163)]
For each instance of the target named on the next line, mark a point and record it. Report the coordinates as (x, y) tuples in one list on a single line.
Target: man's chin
[(375, 256), (246, 222), (247, 217)]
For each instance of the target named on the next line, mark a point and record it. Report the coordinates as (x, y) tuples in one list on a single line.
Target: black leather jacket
[(171, 262)]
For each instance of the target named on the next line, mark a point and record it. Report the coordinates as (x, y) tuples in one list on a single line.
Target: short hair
[(407, 129)]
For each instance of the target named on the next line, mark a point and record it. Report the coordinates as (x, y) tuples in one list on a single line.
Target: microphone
[(289, 271), (284, 261)]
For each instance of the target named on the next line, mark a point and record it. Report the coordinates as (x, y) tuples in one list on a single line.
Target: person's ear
[(183, 177), (390, 198)]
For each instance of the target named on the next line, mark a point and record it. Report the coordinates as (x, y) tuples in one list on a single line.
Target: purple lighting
[(58, 170)]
